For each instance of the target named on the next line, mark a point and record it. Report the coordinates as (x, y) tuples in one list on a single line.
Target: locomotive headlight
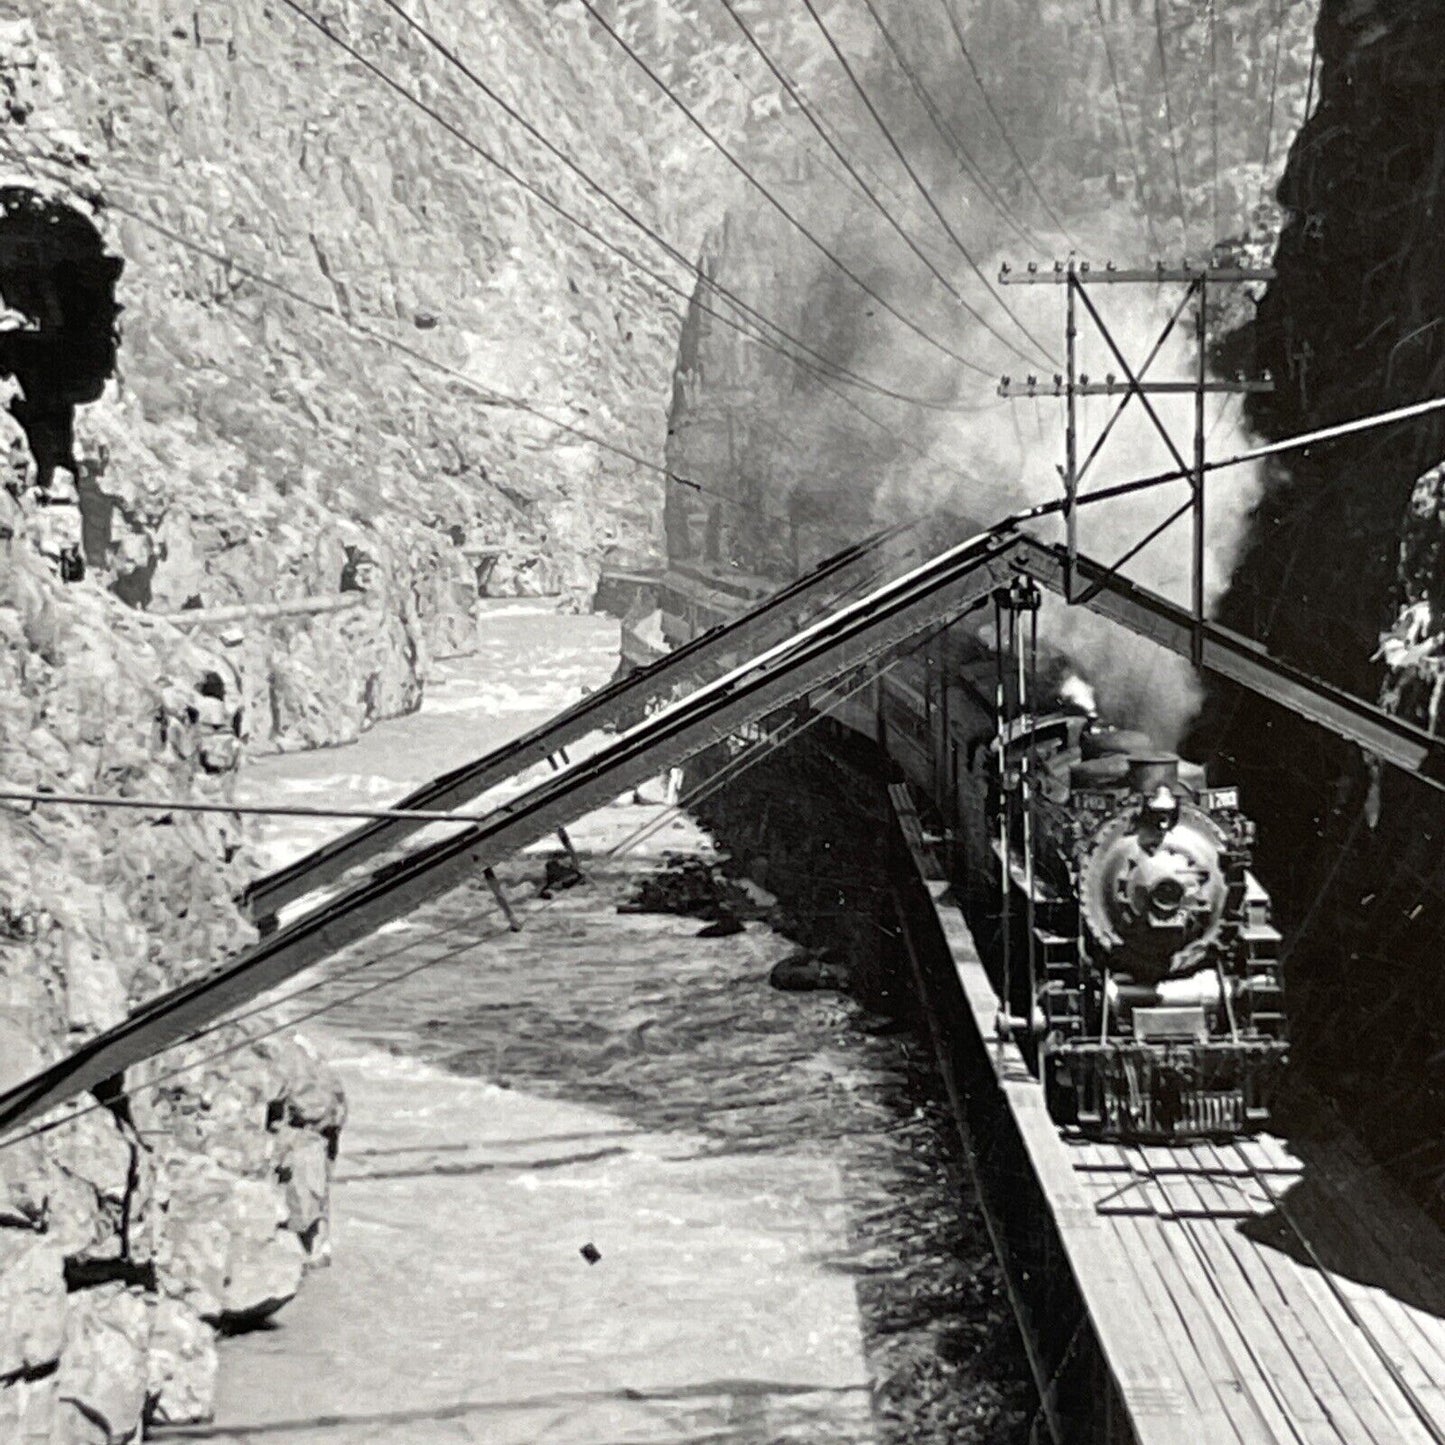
[(1166, 895)]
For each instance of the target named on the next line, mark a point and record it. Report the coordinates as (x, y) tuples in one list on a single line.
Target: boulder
[(32, 1303), (181, 1374), (227, 1254), (27, 1411), (265, 1262), (101, 1385), (805, 971)]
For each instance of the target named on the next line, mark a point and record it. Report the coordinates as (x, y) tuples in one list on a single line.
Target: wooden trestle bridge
[(1210, 1294)]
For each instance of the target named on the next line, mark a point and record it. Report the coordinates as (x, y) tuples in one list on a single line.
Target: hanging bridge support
[(848, 640)]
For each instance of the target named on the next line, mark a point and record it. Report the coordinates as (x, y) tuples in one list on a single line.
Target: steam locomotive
[(1141, 970)]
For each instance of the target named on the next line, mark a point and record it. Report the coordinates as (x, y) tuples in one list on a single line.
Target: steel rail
[(1431, 1424)]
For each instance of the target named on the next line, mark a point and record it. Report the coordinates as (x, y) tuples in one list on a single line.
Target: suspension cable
[(1140, 190), (635, 838), (585, 227), (717, 143), (764, 748), (928, 198), (967, 164), (1169, 119), (1002, 128)]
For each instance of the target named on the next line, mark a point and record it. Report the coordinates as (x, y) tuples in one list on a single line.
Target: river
[(600, 1183)]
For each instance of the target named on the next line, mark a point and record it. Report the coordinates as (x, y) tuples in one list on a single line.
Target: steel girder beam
[(1242, 660), (706, 656), (845, 640)]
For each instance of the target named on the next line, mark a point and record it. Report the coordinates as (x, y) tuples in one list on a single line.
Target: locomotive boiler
[(1141, 969)]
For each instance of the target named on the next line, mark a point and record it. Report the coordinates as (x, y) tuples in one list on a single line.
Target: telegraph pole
[(1077, 278)]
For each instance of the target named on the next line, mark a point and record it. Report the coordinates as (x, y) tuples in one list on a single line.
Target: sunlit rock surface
[(127, 1234), (298, 242)]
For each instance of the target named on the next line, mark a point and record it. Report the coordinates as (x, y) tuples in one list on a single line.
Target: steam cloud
[(1016, 451), (840, 474)]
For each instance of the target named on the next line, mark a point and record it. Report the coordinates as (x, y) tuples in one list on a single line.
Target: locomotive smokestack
[(1150, 771)]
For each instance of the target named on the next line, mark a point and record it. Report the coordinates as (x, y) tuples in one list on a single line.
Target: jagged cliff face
[(129, 1234), (254, 446), (180, 435), (1343, 572)]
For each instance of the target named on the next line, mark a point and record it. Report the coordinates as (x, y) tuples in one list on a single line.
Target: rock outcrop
[(194, 1200), (355, 356), (1342, 577)]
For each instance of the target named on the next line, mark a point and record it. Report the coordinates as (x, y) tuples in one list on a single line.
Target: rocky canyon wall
[(268, 336), (194, 1202), (1342, 575), (351, 347)]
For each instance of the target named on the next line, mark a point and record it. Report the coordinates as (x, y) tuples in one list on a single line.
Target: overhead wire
[(1211, 7), (815, 118), (35, 166), (801, 227), (858, 180), (1003, 130), (488, 394), (1140, 191), (927, 195), (584, 226), (834, 372), (967, 163)]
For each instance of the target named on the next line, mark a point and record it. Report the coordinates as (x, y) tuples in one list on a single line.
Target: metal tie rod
[(770, 621)]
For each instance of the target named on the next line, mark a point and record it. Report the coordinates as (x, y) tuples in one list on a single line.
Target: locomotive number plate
[(1216, 799)]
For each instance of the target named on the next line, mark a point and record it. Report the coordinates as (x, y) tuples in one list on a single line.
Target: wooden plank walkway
[(1263, 1291)]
